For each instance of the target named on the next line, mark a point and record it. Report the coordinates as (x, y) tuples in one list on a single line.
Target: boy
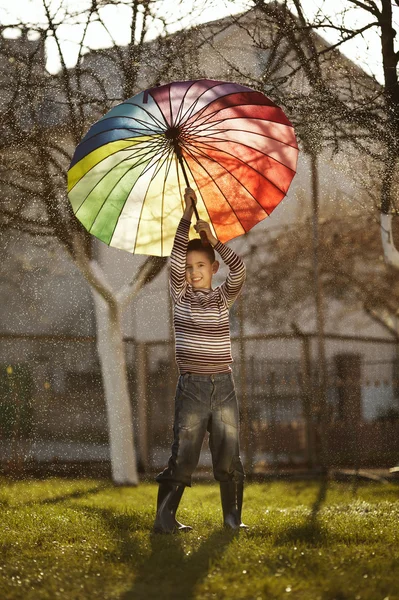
[(205, 396)]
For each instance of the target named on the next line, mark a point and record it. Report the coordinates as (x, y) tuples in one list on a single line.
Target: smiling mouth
[(196, 280)]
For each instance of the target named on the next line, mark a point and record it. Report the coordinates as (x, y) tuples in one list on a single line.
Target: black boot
[(169, 496), (231, 493)]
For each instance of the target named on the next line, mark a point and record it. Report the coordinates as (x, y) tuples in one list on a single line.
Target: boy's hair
[(197, 245)]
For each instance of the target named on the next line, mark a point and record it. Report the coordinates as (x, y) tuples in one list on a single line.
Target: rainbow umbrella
[(230, 143)]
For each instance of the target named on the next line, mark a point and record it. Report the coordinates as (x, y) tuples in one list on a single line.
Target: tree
[(335, 107), (42, 119), (365, 113)]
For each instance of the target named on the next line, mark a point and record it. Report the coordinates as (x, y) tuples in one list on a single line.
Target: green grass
[(85, 539)]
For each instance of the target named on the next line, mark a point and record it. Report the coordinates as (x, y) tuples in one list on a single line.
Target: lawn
[(85, 539)]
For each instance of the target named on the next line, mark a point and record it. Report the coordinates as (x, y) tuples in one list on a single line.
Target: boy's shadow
[(169, 573)]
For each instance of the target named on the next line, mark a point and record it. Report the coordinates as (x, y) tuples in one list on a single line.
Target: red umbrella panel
[(237, 149)]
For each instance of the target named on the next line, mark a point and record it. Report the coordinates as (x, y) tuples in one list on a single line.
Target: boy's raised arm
[(236, 277), (179, 249)]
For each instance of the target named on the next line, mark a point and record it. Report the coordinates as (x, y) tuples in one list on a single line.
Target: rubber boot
[(169, 496), (231, 494)]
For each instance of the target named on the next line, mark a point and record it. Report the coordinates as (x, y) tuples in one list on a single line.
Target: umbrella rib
[(232, 209), (204, 108), (150, 146), (250, 147), (180, 111), (193, 105), (107, 142), (117, 220), (165, 125), (143, 124), (137, 164), (199, 115), (244, 163), (153, 117), (196, 134), (165, 151), (232, 175), (75, 161), (148, 125), (99, 181), (206, 122), (145, 196), (163, 200), (139, 130), (170, 106)]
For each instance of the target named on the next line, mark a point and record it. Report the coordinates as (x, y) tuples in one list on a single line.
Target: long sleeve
[(236, 277), (178, 260)]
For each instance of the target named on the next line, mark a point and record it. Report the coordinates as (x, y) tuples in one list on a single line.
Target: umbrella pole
[(183, 168), (204, 237)]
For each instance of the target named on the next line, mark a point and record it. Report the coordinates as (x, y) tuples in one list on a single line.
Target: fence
[(283, 421), (52, 406)]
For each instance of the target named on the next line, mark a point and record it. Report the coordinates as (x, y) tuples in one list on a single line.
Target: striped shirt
[(201, 317)]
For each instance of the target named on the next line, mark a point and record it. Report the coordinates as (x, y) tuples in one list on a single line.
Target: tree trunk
[(111, 353), (319, 305), (391, 254)]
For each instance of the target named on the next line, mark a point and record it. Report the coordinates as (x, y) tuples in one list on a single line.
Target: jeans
[(205, 403)]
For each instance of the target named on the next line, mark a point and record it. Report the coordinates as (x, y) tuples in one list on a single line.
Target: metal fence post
[(348, 369), (142, 416), (306, 381), (243, 386)]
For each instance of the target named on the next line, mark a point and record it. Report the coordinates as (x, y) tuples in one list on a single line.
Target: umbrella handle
[(203, 236)]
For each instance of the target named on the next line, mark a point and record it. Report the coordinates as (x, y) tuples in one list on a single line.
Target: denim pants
[(205, 403)]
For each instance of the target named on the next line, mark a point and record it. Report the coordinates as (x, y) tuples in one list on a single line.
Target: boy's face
[(199, 269)]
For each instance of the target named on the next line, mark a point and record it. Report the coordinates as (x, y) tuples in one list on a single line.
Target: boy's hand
[(190, 197), (202, 225)]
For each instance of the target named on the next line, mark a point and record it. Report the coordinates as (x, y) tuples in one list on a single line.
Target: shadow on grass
[(58, 499), (168, 570), (309, 532), (74, 495), (169, 573)]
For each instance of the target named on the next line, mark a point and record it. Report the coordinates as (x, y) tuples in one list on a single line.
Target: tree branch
[(391, 254), (371, 7), (383, 318), (151, 267)]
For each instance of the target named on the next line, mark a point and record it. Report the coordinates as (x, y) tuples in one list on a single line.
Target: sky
[(365, 51)]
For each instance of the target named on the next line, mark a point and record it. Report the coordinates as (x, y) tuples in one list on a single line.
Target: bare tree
[(365, 113), (42, 119), (335, 107)]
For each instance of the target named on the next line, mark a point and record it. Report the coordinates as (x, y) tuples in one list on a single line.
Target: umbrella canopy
[(236, 146)]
